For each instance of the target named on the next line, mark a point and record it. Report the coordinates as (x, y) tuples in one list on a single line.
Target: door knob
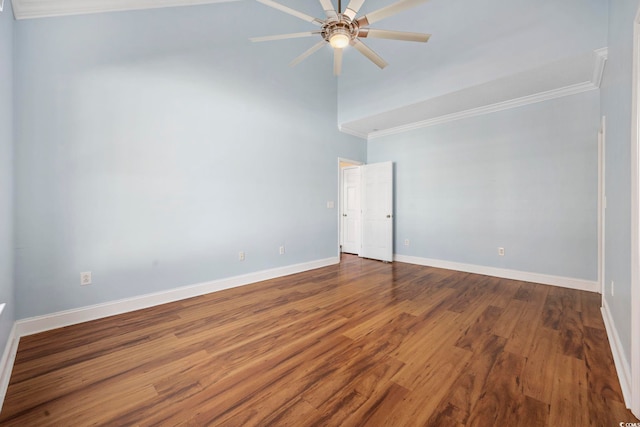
[(344, 214), (388, 216)]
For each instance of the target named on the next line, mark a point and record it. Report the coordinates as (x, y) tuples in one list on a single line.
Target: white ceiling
[(485, 55)]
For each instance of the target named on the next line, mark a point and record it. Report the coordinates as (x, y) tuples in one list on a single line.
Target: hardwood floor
[(360, 343)]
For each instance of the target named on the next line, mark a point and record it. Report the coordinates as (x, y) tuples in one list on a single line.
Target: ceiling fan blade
[(366, 51), (387, 11), (337, 61), (307, 53), (393, 35), (290, 11), (352, 9), (283, 36), (329, 10)]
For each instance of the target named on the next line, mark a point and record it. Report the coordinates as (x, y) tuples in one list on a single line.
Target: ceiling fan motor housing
[(340, 33)]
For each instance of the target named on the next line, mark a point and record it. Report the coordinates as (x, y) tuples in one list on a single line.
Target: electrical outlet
[(241, 256), (612, 287), (281, 250), (85, 278), (406, 242), (501, 251)]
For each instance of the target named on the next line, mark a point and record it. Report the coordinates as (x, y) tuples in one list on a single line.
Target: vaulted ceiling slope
[(482, 57)]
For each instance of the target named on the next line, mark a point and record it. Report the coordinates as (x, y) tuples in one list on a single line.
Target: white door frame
[(339, 210), (602, 205), (635, 222)]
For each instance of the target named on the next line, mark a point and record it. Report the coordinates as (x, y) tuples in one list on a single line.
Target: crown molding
[(28, 9), (599, 61), (352, 132), (601, 56), (487, 109)]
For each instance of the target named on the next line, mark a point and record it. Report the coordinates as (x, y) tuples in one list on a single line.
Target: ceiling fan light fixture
[(341, 29), (339, 40)]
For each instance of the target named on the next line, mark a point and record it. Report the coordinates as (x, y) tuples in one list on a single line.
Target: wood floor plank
[(376, 410), (552, 310), (471, 291), (469, 385), (571, 333), (223, 393), (427, 386), (502, 396), (95, 372), (540, 367), (429, 339), (592, 315), (569, 393), (509, 318), (473, 337), (597, 358), (368, 396), (376, 321), (522, 336), (357, 343)]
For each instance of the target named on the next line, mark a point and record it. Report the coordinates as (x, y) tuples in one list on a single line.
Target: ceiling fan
[(341, 29)]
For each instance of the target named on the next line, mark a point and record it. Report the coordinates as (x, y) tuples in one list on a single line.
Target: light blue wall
[(6, 172), (524, 179), (472, 43), (152, 147), (616, 106)]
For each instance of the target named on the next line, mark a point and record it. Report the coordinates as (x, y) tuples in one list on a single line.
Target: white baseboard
[(60, 319), (6, 363), (565, 282), (622, 365)]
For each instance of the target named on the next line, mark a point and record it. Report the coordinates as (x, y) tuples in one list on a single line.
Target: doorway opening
[(349, 206), (365, 214)]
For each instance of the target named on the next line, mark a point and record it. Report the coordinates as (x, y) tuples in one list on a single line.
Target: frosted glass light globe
[(339, 41)]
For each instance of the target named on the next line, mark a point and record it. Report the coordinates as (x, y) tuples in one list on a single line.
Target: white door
[(377, 211), (350, 210)]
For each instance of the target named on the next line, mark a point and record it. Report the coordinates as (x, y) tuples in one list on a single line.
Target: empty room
[(320, 212)]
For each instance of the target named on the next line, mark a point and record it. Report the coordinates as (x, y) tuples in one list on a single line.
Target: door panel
[(377, 211)]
